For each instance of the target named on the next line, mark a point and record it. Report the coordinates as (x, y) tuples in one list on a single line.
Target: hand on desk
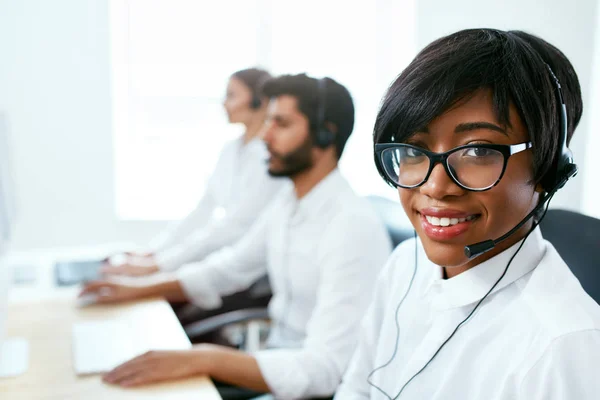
[(120, 289), (113, 292), (147, 254), (136, 265), (129, 269), (158, 366), (221, 363)]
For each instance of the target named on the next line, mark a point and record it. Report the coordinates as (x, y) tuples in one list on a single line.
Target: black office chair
[(256, 296), (577, 239), (398, 227)]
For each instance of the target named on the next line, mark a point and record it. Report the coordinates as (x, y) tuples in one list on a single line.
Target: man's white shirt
[(322, 254), (536, 336)]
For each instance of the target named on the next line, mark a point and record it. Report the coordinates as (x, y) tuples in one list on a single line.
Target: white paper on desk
[(100, 346)]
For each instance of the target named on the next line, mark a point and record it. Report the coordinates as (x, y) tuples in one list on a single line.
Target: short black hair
[(253, 78), (339, 107), (512, 64)]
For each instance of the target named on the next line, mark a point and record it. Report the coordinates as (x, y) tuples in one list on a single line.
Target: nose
[(266, 133), (439, 184)]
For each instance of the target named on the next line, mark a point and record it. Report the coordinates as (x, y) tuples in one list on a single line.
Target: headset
[(324, 137), (563, 168), (255, 102)]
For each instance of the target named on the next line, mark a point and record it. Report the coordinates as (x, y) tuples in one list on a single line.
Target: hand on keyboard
[(128, 270), (112, 292), (135, 265)]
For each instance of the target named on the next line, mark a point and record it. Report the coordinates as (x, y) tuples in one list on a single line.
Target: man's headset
[(324, 137)]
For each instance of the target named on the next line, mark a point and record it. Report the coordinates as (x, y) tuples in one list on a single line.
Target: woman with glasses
[(474, 135)]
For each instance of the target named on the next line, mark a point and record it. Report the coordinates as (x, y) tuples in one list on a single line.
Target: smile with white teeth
[(435, 221)]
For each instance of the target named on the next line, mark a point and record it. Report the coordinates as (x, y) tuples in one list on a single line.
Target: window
[(171, 61)]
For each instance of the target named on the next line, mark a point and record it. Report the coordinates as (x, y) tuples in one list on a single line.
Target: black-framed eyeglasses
[(474, 167)]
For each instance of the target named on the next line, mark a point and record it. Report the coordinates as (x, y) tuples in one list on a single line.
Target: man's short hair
[(338, 105)]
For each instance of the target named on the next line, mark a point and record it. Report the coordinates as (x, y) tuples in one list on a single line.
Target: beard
[(293, 162)]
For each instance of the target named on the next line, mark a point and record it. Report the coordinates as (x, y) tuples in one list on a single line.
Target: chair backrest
[(577, 239), (393, 216)]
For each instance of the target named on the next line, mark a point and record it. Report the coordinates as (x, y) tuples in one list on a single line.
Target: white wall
[(592, 165), (569, 25), (54, 87)]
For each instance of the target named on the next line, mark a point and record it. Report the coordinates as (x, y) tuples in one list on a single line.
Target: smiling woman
[(461, 188), (474, 135)]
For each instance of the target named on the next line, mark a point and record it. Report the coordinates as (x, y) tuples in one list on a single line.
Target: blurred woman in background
[(237, 192)]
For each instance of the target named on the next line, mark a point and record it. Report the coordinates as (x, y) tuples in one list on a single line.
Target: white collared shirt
[(536, 336), (237, 192), (322, 254)]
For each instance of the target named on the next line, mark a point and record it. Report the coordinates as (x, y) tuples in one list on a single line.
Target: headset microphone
[(477, 249)]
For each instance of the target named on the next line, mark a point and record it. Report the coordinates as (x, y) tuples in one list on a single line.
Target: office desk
[(47, 327)]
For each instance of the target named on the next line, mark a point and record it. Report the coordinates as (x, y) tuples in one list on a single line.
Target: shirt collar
[(471, 285), (327, 188)]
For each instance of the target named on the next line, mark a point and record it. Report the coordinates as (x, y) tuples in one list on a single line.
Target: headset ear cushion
[(555, 178), (255, 102), (324, 138), (548, 181)]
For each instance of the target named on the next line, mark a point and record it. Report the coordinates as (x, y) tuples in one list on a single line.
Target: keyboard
[(75, 272), (100, 346)]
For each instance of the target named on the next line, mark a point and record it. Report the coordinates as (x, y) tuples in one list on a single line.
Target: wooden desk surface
[(47, 327)]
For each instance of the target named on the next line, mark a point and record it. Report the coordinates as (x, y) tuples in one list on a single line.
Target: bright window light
[(170, 65)]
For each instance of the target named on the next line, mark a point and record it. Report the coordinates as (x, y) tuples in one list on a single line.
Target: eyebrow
[(471, 126), (279, 118)]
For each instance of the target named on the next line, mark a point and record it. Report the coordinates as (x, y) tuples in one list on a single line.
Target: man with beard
[(320, 244)]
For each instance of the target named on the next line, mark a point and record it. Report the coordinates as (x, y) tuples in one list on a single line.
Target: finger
[(142, 271), (151, 373), (106, 298), (108, 293), (94, 287), (125, 370), (143, 371), (98, 284), (144, 377), (121, 377), (107, 269), (112, 270)]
